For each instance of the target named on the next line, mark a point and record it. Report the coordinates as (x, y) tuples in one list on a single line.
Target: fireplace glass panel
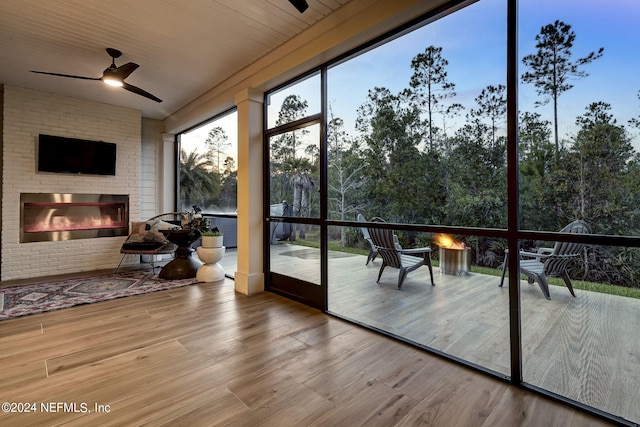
[(46, 217)]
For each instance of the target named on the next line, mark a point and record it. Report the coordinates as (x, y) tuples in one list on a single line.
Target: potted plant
[(196, 223), (212, 238), (210, 253)]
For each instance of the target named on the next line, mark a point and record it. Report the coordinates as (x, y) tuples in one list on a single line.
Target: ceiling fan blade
[(66, 75), (123, 71), (139, 91)]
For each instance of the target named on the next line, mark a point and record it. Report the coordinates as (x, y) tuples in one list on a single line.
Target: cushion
[(157, 224), (147, 232), (155, 236), (138, 227)]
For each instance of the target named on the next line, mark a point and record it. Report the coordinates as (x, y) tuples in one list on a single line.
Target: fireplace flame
[(448, 242), (63, 223)]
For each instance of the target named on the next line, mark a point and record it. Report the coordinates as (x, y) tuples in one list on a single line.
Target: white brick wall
[(28, 113), (151, 139)]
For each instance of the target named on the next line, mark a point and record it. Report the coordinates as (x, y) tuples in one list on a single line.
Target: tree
[(551, 68), (345, 173), (198, 184), (492, 103), (284, 148), (535, 157), (450, 112), (533, 139), (299, 170), (217, 141), (602, 152), (429, 84), (293, 108), (478, 178), (635, 121), (294, 163), (396, 170), (229, 188)]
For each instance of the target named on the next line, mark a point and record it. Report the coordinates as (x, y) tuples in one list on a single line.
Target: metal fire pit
[(455, 261)]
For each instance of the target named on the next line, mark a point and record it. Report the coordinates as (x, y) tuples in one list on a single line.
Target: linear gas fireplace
[(57, 216)]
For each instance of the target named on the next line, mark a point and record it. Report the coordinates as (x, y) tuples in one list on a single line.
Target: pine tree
[(429, 84), (217, 142), (551, 68)]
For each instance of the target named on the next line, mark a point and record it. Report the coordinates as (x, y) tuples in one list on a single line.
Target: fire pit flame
[(448, 242), (455, 257)]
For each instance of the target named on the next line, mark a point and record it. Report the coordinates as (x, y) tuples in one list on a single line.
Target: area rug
[(22, 300)]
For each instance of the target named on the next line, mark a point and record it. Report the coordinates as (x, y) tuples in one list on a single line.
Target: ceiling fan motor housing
[(114, 53)]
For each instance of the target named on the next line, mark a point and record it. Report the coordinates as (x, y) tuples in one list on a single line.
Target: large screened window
[(477, 200), (579, 136), (417, 125), (208, 166), (579, 110), (417, 136), (208, 178), (293, 138)]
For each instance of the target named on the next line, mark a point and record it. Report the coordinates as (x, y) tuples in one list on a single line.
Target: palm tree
[(197, 182)]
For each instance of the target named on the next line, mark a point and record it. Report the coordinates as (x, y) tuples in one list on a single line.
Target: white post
[(249, 279)]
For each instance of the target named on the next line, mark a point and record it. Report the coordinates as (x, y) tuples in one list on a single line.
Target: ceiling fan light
[(112, 81)]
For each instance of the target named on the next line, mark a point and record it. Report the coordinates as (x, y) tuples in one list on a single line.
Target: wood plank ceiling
[(184, 48)]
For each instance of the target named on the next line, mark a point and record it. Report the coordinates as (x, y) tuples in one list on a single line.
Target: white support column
[(166, 174), (249, 279)]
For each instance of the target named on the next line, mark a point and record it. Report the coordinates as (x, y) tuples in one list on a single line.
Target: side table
[(183, 266)]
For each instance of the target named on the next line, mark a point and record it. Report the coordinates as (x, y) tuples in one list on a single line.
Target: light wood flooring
[(585, 348), (203, 355)]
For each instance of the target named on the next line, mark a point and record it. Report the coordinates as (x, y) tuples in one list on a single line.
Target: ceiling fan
[(113, 75)]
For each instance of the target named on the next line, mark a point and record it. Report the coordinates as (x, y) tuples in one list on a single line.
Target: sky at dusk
[(195, 138), (474, 42)]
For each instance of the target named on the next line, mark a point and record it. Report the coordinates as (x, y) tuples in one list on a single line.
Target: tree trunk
[(342, 233), (304, 210), (297, 189), (555, 126)]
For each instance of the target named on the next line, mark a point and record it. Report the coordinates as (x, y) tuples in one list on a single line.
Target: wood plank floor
[(203, 355), (585, 348)]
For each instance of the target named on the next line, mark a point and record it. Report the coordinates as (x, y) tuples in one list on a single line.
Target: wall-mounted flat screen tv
[(78, 156)]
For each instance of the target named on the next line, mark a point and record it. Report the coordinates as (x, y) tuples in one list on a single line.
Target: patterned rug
[(21, 300)]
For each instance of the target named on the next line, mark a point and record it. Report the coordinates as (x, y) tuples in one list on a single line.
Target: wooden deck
[(585, 348)]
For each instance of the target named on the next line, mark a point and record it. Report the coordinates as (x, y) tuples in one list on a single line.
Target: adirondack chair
[(373, 253), (393, 255), (551, 262)]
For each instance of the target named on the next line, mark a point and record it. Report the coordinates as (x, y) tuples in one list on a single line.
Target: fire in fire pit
[(455, 257)]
